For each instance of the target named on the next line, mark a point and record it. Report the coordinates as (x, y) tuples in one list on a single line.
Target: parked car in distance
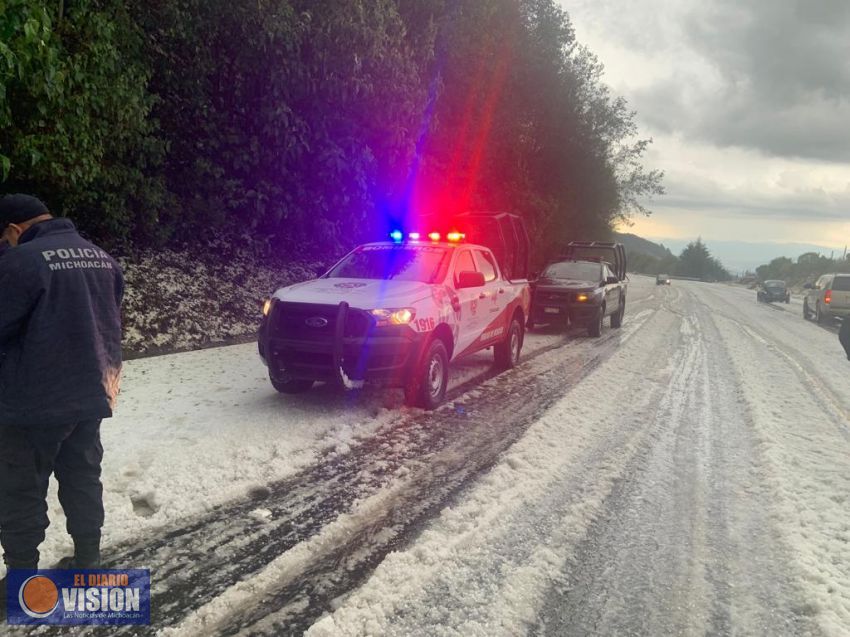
[(827, 298), (773, 290), (662, 279)]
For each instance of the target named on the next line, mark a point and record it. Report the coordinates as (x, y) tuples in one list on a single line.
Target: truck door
[(494, 298), (472, 308), (612, 292)]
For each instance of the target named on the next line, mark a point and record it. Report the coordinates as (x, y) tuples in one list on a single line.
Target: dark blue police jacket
[(60, 328)]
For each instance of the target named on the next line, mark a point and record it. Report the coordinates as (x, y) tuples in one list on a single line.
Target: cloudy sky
[(748, 103)]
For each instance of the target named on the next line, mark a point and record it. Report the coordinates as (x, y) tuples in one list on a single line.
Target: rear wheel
[(506, 353), (617, 317), (427, 386), (820, 317), (594, 328), (291, 386)]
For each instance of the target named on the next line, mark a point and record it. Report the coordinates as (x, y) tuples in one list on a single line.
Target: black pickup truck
[(582, 287)]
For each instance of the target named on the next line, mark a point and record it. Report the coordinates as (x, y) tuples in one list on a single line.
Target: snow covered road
[(687, 474)]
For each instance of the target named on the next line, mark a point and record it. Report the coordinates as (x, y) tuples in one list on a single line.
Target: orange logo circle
[(39, 596)]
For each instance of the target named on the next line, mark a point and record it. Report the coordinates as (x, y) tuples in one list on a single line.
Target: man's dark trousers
[(28, 456)]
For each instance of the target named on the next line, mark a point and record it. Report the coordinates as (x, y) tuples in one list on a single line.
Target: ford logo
[(316, 321)]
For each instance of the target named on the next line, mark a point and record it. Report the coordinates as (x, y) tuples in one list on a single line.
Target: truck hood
[(365, 294)]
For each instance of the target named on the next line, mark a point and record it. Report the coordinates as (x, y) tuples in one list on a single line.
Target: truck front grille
[(315, 322)]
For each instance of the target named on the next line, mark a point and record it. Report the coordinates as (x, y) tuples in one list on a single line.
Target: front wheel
[(617, 317), (292, 386), (594, 328), (506, 353), (428, 383)]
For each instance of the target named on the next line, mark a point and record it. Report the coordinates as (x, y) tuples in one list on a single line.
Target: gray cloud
[(774, 76), (700, 195)]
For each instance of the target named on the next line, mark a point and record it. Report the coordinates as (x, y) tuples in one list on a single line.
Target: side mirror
[(534, 276), (470, 280), (611, 280), (807, 286)]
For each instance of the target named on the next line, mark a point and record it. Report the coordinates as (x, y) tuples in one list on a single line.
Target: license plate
[(552, 310)]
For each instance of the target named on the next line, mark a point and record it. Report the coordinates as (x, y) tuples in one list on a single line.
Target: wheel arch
[(444, 333)]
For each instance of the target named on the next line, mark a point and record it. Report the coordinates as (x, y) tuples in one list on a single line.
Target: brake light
[(827, 296)]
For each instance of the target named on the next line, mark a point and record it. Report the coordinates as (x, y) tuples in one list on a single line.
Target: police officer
[(60, 331)]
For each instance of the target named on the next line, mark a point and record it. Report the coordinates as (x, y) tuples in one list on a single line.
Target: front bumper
[(562, 306), (348, 347)]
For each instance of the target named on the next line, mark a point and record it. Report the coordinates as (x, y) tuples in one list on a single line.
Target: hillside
[(638, 245)]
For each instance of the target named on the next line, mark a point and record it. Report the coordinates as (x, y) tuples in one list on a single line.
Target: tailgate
[(840, 299)]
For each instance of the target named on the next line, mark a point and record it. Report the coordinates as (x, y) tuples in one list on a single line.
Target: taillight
[(827, 296)]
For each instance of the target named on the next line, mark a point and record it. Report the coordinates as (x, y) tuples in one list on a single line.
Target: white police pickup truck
[(397, 312)]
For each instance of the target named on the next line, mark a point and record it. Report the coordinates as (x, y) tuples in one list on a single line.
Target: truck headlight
[(401, 316), (582, 298)]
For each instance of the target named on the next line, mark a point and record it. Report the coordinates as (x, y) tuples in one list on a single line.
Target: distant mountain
[(638, 245), (741, 256)]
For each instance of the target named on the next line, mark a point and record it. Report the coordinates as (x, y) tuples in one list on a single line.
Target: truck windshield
[(774, 284), (575, 271), (403, 263)]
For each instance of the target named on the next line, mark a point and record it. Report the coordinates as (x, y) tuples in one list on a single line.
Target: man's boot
[(86, 554), (10, 564)]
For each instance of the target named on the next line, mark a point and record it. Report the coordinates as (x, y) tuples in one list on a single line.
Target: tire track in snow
[(677, 550), (197, 562)]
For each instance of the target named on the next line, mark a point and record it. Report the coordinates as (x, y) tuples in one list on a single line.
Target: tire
[(594, 328), (617, 317), (506, 353), (293, 386), (819, 316), (807, 314), (428, 383)]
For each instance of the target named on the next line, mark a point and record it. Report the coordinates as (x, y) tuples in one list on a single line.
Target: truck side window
[(486, 265), (464, 264)]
